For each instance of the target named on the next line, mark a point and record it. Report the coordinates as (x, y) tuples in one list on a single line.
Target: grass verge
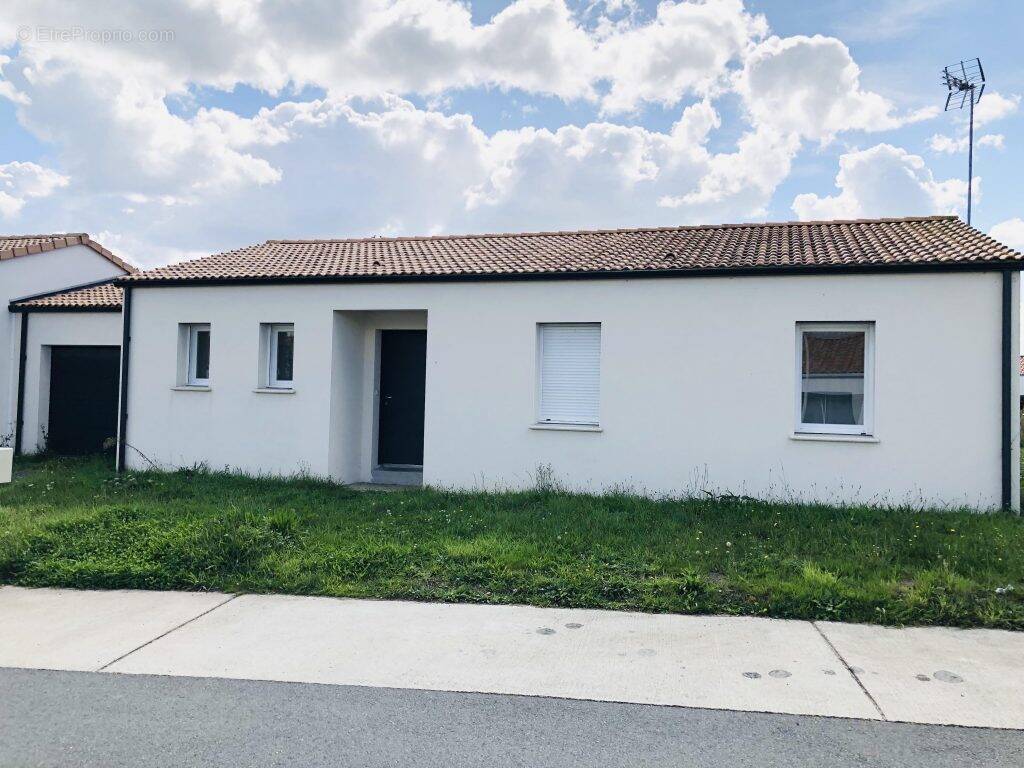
[(74, 523)]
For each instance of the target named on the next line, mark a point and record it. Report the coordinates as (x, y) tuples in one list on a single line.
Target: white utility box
[(6, 464)]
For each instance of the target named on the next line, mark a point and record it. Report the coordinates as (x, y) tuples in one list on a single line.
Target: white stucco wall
[(27, 276), (697, 384), (50, 329)]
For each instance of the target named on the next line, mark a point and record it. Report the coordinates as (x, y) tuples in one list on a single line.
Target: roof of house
[(96, 298), (1022, 365), (13, 246), (834, 354), (943, 241)]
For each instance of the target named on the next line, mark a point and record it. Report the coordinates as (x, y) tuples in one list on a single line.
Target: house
[(61, 339), (845, 362)]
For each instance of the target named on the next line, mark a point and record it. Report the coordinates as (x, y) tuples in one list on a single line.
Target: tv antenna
[(965, 82)]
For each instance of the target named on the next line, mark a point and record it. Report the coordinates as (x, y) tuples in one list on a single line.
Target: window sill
[(825, 437), (274, 391), (191, 388), (568, 427)]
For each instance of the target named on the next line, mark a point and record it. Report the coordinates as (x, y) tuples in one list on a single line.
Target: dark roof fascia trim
[(47, 309), (47, 294), (845, 269)]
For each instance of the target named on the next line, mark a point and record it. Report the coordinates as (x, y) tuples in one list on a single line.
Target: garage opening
[(83, 398)]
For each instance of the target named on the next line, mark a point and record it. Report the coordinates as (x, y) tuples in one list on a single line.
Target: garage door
[(83, 398)]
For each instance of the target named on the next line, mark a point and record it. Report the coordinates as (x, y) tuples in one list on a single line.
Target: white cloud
[(883, 181), (366, 47), (810, 87), (684, 50), (994, 140), (362, 160), (347, 168), (400, 169), (949, 145), (994, 106), (586, 177), (21, 181), (125, 139), (142, 251), (761, 161), (1010, 232)]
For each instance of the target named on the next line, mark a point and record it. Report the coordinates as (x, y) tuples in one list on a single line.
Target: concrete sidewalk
[(940, 676)]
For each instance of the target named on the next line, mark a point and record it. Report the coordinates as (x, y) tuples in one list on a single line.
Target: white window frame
[(193, 334), (272, 381), (866, 429), (539, 419)]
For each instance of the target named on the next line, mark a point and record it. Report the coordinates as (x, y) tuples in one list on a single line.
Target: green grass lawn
[(73, 523)]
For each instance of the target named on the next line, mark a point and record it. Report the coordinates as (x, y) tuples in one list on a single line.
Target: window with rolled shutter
[(570, 372)]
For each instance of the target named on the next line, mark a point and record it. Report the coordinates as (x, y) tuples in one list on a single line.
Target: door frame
[(375, 465)]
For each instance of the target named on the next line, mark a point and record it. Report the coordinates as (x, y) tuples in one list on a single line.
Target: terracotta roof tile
[(97, 297), (833, 354), (13, 246), (919, 240)]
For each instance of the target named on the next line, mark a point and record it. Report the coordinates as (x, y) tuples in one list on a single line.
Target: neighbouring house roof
[(13, 246), (1022, 365), (943, 241), (834, 354), (97, 298)]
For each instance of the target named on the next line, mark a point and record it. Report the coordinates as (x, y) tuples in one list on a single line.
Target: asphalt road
[(87, 719)]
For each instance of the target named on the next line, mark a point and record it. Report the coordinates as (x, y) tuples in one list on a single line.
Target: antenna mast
[(965, 83)]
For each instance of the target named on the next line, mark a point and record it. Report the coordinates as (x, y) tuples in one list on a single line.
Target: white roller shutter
[(570, 372)]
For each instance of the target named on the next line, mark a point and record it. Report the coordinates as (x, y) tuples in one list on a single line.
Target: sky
[(171, 130)]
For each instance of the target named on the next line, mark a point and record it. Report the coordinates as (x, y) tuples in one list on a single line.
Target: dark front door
[(403, 374), (83, 398)]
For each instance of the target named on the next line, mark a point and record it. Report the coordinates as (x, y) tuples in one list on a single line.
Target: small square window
[(835, 378), (197, 368), (280, 356)]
